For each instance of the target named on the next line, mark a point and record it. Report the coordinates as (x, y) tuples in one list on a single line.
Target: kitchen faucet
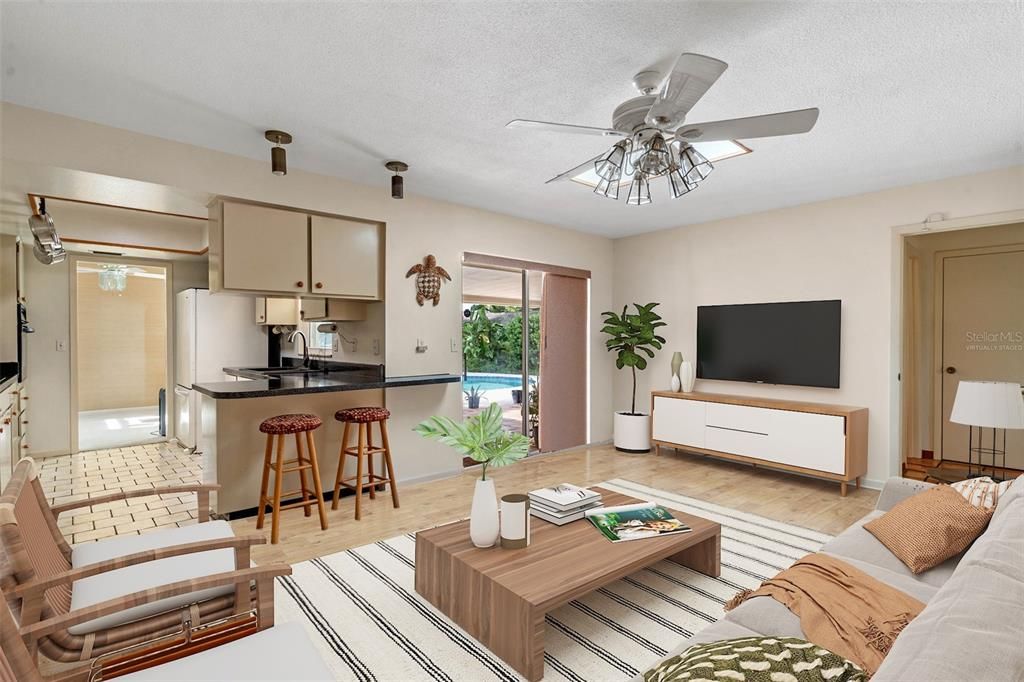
[(305, 346)]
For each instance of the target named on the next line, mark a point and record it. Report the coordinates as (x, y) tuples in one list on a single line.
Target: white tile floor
[(91, 474), (103, 429)]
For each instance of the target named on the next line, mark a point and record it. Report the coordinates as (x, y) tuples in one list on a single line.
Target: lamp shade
[(990, 404)]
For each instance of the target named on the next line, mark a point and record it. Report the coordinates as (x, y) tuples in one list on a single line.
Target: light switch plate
[(455, 345)]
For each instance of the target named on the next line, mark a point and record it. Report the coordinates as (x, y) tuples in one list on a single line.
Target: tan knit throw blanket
[(840, 607)]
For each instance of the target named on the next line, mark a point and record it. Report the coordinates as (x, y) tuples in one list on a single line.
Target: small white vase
[(687, 375), (675, 384), (483, 517)]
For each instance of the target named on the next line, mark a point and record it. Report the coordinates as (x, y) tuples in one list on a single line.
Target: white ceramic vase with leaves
[(482, 439)]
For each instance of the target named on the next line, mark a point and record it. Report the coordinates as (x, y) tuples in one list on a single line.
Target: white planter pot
[(483, 517), (687, 376), (632, 432)]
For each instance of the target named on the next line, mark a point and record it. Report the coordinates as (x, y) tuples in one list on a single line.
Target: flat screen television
[(770, 343)]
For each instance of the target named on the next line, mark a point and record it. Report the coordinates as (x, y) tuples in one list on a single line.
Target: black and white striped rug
[(362, 611)]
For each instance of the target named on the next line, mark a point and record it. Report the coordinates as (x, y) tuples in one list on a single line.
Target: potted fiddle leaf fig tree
[(483, 439), (632, 336)]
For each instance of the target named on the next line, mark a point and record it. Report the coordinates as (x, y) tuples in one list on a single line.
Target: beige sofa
[(973, 625)]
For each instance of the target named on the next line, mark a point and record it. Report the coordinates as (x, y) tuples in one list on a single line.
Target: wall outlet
[(376, 346), (62, 345), (455, 345)]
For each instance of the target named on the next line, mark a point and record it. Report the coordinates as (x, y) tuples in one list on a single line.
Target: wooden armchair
[(77, 603), (224, 651)]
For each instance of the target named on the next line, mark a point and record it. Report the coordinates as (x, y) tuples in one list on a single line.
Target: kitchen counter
[(255, 384)]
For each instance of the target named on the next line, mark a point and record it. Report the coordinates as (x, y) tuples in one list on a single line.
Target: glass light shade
[(678, 183), (611, 163), (639, 190), (113, 278), (608, 187), (693, 165), (988, 404), (657, 159)]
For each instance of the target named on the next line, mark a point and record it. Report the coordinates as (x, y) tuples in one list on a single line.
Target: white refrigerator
[(211, 332)]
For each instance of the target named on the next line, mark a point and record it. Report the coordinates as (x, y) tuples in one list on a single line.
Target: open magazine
[(635, 522)]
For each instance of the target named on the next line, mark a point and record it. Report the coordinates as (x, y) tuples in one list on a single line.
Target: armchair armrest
[(36, 587), (262, 575), (898, 489), (202, 491)]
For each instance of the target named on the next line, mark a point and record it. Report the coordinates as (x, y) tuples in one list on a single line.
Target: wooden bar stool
[(281, 426), (365, 449)]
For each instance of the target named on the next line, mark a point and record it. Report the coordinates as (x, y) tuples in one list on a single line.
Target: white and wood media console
[(827, 441)]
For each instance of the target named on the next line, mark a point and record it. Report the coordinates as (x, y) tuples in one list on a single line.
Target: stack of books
[(563, 503)]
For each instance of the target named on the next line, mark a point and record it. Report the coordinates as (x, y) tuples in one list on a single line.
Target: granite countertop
[(331, 378)]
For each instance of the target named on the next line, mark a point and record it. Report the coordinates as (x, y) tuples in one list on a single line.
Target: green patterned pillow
[(756, 659)]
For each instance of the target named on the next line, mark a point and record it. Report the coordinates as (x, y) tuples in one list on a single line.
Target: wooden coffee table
[(500, 596)]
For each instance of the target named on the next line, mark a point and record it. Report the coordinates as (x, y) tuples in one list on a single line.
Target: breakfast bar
[(231, 412)]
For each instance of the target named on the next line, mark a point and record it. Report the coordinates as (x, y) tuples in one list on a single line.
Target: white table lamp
[(996, 405)]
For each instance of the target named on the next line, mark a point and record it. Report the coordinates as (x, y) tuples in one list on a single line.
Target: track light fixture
[(278, 160), (397, 182)]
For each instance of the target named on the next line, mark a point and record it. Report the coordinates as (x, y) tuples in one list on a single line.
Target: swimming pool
[(491, 382)]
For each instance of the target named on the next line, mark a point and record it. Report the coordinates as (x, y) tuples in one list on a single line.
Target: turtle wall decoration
[(429, 278)]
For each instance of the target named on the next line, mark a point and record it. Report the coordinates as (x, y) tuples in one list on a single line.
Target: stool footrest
[(368, 480), (354, 451)]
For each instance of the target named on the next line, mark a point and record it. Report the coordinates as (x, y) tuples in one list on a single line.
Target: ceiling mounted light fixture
[(397, 182), (278, 160)]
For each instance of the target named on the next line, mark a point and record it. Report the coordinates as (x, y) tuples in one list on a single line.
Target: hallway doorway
[(121, 352)]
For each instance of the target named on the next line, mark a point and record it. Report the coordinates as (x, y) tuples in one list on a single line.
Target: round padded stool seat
[(290, 423), (362, 415)]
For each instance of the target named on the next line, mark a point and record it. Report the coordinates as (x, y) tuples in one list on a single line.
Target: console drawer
[(746, 443), (739, 417)]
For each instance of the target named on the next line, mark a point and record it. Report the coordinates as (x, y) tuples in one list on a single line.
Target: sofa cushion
[(929, 528), (981, 491), (124, 581), (968, 631), (282, 652), (1014, 495), (857, 543), (715, 632)]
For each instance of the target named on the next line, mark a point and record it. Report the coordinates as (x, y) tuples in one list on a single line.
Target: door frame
[(73, 331), (938, 339)]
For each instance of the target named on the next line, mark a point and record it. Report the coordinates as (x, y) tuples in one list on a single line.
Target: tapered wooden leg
[(369, 461), (359, 469), (266, 481), (275, 522), (341, 467), (856, 482), (842, 488), (317, 486), (303, 482), (388, 463)]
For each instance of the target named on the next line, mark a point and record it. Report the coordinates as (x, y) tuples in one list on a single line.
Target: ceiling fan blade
[(767, 125), (572, 172), (690, 78), (562, 128)]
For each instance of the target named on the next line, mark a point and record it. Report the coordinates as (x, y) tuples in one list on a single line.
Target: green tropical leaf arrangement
[(632, 336), (480, 438)]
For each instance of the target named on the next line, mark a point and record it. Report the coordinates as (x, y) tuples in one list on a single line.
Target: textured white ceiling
[(908, 91)]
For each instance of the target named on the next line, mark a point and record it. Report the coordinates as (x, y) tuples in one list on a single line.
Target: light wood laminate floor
[(794, 499)]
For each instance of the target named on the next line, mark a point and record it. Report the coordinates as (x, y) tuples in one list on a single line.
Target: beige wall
[(121, 342), (924, 248), (416, 226), (843, 248)]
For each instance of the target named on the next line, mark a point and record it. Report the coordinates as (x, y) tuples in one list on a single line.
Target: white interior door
[(982, 337)]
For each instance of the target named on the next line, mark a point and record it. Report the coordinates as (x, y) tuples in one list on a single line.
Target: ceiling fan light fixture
[(612, 163), (609, 187), (639, 190), (694, 166), (678, 183), (278, 157), (657, 157)]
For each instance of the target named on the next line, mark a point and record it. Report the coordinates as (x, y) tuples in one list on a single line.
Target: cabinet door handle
[(300, 284), (319, 285)]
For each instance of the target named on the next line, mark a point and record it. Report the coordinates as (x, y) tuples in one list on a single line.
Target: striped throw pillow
[(982, 492)]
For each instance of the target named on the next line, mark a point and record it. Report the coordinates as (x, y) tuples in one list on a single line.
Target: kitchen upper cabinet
[(267, 250), (258, 249), (332, 310), (345, 258), (277, 311)]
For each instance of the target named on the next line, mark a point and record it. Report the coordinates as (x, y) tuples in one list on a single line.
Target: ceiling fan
[(657, 141)]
